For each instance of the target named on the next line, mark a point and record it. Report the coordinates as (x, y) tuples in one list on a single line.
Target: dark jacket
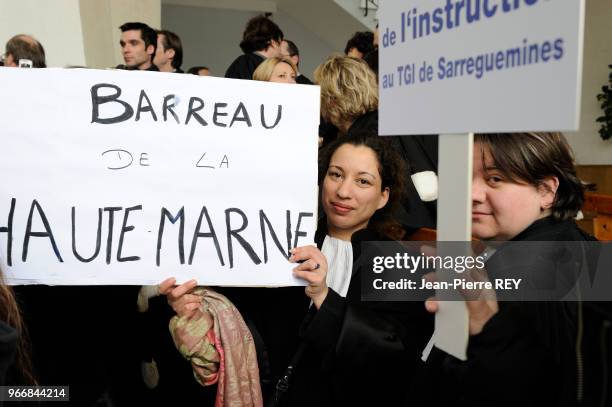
[(420, 153), (358, 353), (301, 79), (85, 337), (244, 66), (8, 347), (526, 354), (152, 68)]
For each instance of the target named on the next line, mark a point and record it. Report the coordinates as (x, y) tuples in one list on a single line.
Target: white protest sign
[(458, 66), (116, 177)]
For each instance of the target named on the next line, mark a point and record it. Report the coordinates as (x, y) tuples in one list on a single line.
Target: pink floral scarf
[(220, 347)]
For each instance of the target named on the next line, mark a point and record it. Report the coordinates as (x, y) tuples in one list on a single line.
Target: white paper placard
[(193, 190), (462, 66)]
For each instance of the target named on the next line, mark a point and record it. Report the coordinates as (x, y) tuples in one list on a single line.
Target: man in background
[(25, 52), (291, 51), (261, 39), (169, 53), (138, 43)]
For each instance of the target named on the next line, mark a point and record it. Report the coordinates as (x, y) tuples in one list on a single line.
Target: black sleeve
[(546, 327), (301, 79), (420, 152), (321, 327), (523, 356), (8, 347), (243, 67)]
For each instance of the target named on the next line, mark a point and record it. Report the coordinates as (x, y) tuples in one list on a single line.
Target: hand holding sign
[(480, 299), (179, 297), (107, 186), (313, 269)]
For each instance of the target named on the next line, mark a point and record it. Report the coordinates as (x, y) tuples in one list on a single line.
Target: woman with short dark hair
[(524, 191), (532, 158)]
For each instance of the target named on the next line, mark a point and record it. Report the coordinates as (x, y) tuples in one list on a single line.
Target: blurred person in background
[(169, 52), (24, 51), (261, 39), (280, 70), (199, 70), (359, 44), (291, 51)]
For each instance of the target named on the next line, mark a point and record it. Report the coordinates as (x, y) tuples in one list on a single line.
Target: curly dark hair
[(362, 40), (390, 167), (531, 158), (259, 33)]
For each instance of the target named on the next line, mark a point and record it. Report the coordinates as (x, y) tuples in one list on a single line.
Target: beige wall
[(324, 18), (101, 20), (211, 36), (56, 24), (122, 11), (76, 32), (590, 149), (98, 42)]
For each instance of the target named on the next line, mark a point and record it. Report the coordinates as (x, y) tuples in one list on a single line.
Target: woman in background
[(280, 70), (349, 101)]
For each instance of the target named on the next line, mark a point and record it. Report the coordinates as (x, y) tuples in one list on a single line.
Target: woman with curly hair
[(349, 101), (344, 340)]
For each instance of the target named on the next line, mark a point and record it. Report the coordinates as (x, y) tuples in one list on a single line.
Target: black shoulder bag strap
[(277, 399)]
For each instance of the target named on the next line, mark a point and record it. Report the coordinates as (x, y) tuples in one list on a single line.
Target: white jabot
[(339, 255)]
